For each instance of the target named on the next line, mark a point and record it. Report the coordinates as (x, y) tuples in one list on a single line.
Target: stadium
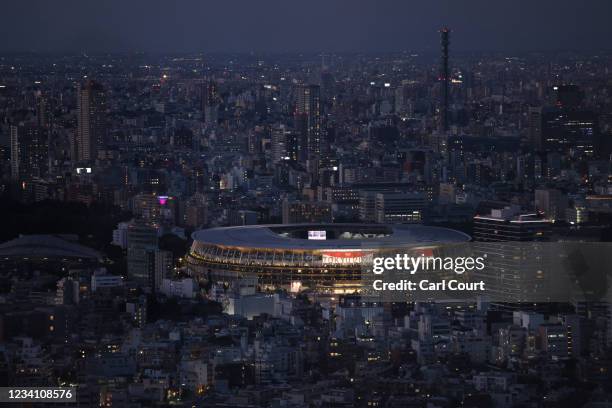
[(326, 258)]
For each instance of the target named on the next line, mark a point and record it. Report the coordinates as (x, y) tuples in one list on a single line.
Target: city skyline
[(195, 229)]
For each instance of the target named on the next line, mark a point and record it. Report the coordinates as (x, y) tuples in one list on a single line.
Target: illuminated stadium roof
[(338, 236)]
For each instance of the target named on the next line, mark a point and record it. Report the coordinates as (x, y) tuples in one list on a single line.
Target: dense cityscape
[(119, 174)]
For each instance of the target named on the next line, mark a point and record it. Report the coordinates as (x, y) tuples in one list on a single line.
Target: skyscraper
[(566, 127), (308, 121), (28, 152), (444, 75), (164, 263), (280, 148), (565, 130), (43, 116), (91, 128), (534, 119), (141, 247), (510, 239), (209, 102)]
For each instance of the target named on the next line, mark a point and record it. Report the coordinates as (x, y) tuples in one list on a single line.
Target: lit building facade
[(325, 258)]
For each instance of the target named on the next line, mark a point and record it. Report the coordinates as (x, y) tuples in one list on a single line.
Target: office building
[(91, 121), (164, 267), (284, 144), (308, 121), (444, 76), (508, 224), (101, 280), (511, 240), (296, 212), (209, 102), (398, 208), (141, 247), (534, 122), (196, 211), (569, 131), (29, 152)]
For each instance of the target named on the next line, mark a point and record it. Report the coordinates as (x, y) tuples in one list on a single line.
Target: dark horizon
[(69, 26)]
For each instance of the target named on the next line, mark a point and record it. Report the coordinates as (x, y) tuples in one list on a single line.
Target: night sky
[(307, 25)]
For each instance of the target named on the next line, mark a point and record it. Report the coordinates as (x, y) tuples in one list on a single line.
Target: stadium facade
[(326, 258)]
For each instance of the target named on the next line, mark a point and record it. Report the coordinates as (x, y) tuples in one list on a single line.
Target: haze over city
[(294, 26)]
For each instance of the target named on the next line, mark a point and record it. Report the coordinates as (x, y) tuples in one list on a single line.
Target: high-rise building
[(196, 212), (43, 117), (566, 131), (91, 126), (327, 84), (164, 264), (29, 152), (141, 248), (444, 76), (508, 224), (209, 102), (514, 276), (553, 340), (404, 99), (281, 144), (308, 121), (566, 127), (534, 120)]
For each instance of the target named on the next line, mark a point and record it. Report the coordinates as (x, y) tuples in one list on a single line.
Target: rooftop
[(46, 246), (345, 236)]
